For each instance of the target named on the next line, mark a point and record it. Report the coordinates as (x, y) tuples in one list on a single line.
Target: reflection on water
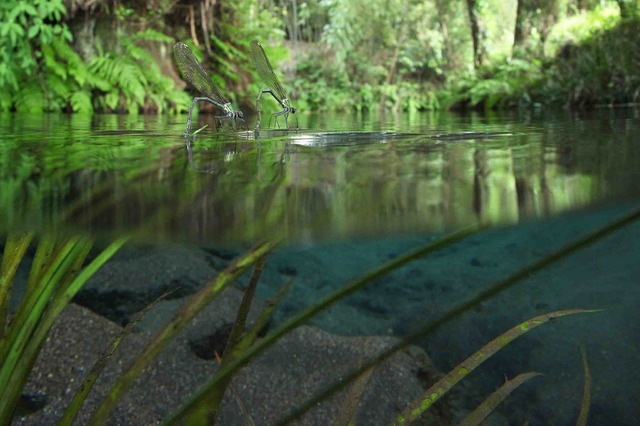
[(115, 173)]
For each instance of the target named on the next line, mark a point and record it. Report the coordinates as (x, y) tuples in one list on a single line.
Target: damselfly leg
[(286, 110)]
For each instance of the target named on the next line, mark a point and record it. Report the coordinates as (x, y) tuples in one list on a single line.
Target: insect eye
[(293, 110)]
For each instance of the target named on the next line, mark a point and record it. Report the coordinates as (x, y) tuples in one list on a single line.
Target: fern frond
[(51, 63), (132, 82), (112, 99), (104, 67), (30, 98), (81, 102), (152, 35), (140, 54), (58, 87), (77, 68), (157, 100)]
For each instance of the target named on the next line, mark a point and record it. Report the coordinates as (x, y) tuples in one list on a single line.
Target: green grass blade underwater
[(237, 330), (482, 411), (55, 278), (586, 391), (462, 370), (14, 250)]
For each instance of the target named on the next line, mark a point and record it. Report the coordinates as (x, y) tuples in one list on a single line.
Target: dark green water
[(341, 177), (351, 192)]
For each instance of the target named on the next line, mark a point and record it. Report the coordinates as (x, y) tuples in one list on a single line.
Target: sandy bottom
[(604, 275)]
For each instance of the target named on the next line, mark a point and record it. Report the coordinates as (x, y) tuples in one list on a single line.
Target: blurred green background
[(346, 55)]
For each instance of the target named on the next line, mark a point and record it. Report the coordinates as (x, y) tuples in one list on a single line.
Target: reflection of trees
[(246, 190)]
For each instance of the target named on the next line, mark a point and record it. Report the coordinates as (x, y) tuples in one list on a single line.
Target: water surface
[(340, 176)]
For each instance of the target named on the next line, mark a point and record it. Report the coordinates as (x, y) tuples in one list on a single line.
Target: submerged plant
[(56, 275)]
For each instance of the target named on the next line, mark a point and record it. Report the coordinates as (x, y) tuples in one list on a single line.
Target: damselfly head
[(239, 114), (292, 110)]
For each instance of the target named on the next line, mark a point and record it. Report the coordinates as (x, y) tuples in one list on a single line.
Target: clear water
[(351, 192), (340, 177)]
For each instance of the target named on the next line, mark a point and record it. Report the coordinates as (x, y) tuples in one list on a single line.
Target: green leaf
[(30, 98), (30, 10), (33, 31)]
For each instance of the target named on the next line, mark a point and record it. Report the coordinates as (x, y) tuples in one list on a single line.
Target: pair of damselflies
[(193, 72)]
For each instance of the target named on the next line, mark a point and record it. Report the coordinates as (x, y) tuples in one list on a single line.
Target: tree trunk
[(443, 13), (476, 33), (519, 32), (628, 8)]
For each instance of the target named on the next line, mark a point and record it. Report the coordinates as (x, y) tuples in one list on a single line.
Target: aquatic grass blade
[(239, 324), (80, 396), (190, 309), (349, 410), (203, 414), (482, 411), (237, 330), (586, 391), (464, 307), (42, 259), (29, 313), (238, 399), (442, 386), (14, 249), (30, 307), (199, 401), (252, 334)]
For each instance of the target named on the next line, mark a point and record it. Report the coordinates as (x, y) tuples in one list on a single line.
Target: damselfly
[(263, 66), (194, 74)]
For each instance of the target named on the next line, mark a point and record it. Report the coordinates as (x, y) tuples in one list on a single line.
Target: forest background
[(346, 55)]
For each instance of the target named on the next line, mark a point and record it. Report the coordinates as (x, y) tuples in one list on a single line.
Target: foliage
[(390, 54), (502, 85), (592, 59), (24, 29), (40, 71), (603, 68), (129, 79)]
